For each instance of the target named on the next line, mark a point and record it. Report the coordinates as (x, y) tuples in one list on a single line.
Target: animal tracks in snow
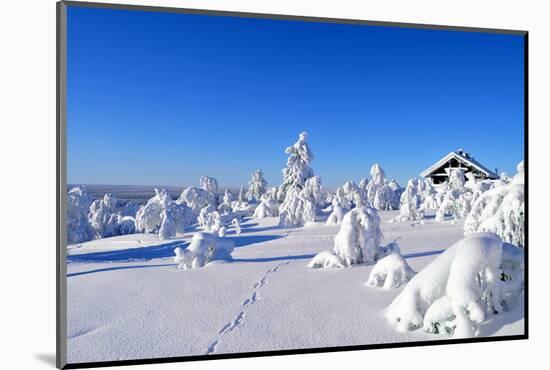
[(240, 318)]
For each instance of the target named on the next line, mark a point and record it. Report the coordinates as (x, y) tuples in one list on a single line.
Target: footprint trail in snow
[(239, 319)]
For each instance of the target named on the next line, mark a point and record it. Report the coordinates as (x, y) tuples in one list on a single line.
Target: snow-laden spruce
[(390, 272), (350, 195), (204, 248), (164, 216), (358, 241), (297, 169), (79, 228), (410, 204), (196, 199), (297, 209), (337, 215), (209, 184), (456, 292), (102, 217), (379, 194), (457, 199), (501, 210), (257, 187), (226, 205)]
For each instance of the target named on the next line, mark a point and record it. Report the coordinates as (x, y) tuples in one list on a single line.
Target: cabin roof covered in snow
[(460, 157)]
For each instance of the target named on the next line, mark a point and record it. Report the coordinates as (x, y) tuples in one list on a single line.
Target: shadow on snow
[(131, 254), (117, 268)]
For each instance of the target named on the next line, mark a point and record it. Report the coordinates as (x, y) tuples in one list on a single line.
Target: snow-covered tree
[(457, 198), (357, 241), (350, 195), (196, 198), (100, 216), (209, 184), (207, 217), (313, 190), (79, 228), (379, 193), (126, 225), (410, 204), (204, 248), (226, 205), (337, 215), (297, 170), (501, 210), (161, 212), (297, 209), (430, 199), (256, 187), (457, 291)]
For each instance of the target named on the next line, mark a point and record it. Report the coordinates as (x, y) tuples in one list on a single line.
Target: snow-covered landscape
[(296, 266)]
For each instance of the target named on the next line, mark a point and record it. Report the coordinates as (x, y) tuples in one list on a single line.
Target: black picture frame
[(61, 186)]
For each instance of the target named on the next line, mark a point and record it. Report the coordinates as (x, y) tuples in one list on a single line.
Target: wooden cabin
[(440, 171)]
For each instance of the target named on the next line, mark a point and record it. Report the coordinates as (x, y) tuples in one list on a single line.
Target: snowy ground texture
[(127, 299)]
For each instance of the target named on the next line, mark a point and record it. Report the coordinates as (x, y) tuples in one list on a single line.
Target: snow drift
[(456, 292)]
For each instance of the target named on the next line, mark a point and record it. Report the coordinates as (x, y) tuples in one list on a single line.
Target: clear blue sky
[(157, 98)]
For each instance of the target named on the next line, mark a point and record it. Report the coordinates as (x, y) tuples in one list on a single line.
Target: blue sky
[(161, 99)]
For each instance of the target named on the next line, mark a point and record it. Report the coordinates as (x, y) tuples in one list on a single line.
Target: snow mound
[(453, 294), (204, 248), (357, 241), (326, 259), (390, 272), (267, 208)]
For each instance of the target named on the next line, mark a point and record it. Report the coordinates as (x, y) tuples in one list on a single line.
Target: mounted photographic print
[(235, 185)]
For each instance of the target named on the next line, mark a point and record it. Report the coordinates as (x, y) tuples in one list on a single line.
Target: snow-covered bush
[(313, 190), (430, 198), (267, 208), (350, 195), (357, 241), (196, 198), (126, 225), (456, 292), (457, 201), (410, 204), (209, 184), (226, 206), (337, 215), (390, 272), (379, 194), (256, 187), (79, 228), (102, 216), (161, 212), (501, 210), (207, 217), (204, 248), (297, 169)]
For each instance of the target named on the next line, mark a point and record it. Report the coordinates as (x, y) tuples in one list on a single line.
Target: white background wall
[(27, 205)]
